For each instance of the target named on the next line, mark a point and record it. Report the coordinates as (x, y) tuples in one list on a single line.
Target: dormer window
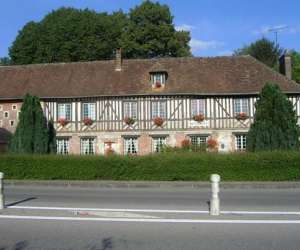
[(158, 79)]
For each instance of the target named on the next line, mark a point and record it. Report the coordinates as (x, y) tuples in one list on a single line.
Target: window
[(158, 78), (12, 123), (130, 109), (241, 106), (1, 107), (89, 111), (197, 106), (87, 146), (158, 144), (240, 142), (64, 111), (130, 145), (14, 107), (62, 146), (198, 142), (159, 109), (6, 114)]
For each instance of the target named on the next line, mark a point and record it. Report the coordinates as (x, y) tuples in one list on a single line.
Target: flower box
[(241, 116), (129, 121), (199, 118), (87, 121), (158, 121), (63, 121), (186, 143), (212, 143), (157, 85)]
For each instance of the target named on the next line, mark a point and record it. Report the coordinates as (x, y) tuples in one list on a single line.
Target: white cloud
[(198, 45), (185, 27)]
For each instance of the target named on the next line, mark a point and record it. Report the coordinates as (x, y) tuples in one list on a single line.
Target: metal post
[(1, 191), (215, 201)]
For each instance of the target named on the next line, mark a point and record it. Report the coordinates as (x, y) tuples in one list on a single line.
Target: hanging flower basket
[(186, 143), (199, 118), (63, 121), (158, 121), (241, 116), (87, 121), (129, 121), (212, 143), (157, 85)]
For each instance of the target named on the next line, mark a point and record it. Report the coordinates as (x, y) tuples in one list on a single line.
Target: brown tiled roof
[(203, 76)]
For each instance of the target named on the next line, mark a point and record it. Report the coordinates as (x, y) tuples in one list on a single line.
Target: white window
[(159, 109), (158, 144), (62, 146), (89, 111), (240, 142), (87, 146), (14, 107), (198, 140), (6, 114), (197, 106), (130, 145), (158, 78), (64, 111), (241, 106), (130, 109), (12, 123)]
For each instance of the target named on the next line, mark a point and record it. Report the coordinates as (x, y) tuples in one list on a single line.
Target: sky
[(217, 27)]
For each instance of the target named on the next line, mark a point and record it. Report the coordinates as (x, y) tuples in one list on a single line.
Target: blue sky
[(217, 26)]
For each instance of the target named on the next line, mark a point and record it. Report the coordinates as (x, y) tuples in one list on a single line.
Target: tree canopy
[(4, 61), (263, 50), (33, 135), (68, 34), (295, 65), (275, 122)]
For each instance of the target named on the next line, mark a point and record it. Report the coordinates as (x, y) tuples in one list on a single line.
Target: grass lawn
[(181, 166)]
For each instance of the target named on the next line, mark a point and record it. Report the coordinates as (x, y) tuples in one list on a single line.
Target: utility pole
[(276, 30)]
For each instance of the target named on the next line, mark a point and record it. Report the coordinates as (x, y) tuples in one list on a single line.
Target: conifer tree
[(275, 122), (32, 135)]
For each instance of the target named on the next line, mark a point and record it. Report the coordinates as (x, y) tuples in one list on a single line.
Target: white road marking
[(17, 217), (114, 214), (157, 210)]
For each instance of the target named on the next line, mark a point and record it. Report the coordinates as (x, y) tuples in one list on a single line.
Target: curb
[(151, 184)]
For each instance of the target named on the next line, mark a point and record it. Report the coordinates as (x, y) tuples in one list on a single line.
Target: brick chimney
[(285, 65), (118, 59)]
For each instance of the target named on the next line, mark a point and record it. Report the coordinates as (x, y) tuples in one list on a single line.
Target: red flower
[(63, 121), (241, 116), (212, 143), (186, 143), (87, 121), (158, 121), (129, 121), (157, 84), (199, 117)]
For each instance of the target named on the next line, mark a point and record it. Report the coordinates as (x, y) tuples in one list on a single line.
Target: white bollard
[(1, 191), (215, 201)]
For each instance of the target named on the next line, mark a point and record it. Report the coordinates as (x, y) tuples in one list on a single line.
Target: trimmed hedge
[(267, 166)]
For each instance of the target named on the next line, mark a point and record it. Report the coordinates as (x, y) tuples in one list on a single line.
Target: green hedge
[(268, 166)]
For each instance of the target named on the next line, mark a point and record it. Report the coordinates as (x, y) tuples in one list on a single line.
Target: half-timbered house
[(136, 106)]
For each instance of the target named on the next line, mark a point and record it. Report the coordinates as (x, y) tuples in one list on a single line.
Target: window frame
[(197, 103), (4, 114), (125, 151), (201, 144), (243, 142), (235, 100), (162, 76), (159, 107), (131, 103), (82, 110), (156, 149), (58, 114), (66, 147), (91, 146)]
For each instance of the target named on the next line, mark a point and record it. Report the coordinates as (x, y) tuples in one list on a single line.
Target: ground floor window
[(62, 146), (158, 144), (87, 146), (240, 142), (199, 142), (130, 145)]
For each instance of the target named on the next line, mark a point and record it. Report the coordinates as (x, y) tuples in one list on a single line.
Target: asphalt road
[(101, 229)]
